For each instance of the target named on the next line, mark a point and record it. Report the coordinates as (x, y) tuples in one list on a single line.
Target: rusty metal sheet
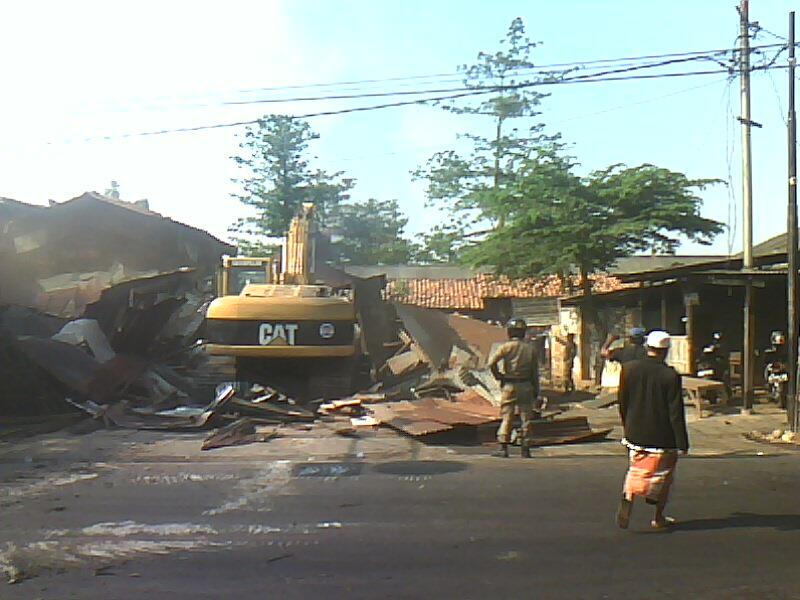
[(417, 427), (431, 415), (447, 412), (565, 431), (479, 335), (432, 332), (241, 431)]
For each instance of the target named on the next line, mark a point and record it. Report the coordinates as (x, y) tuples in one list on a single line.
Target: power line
[(535, 68), (578, 117), (440, 78), (488, 88), (456, 96), (589, 78)]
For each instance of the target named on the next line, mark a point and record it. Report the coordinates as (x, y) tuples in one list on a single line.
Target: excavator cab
[(240, 271)]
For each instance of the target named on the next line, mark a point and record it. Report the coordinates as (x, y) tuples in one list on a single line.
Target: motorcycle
[(712, 365), (776, 375)]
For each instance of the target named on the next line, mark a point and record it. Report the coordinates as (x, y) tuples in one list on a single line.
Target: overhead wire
[(488, 88), (535, 68), (372, 107), (596, 78), (356, 86), (610, 74)]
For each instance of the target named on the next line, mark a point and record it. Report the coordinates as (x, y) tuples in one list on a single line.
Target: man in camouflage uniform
[(519, 381)]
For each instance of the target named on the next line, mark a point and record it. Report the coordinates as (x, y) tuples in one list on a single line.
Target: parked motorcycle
[(776, 375), (712, 364)]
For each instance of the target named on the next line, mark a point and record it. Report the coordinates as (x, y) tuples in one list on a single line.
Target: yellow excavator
[(281, 325)]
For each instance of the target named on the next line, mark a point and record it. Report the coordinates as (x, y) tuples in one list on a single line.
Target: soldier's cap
[(637, 332), (658, 339)]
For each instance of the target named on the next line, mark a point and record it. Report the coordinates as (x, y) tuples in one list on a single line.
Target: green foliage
[(441, 245), (371, 233), (558, 221), (278, 179), (517, 204), (462, 183)]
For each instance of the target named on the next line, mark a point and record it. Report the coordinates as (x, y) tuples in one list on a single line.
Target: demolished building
[(135, 356), (59, 258)]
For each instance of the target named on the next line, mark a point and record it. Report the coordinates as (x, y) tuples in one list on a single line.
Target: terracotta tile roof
[(469, 294)]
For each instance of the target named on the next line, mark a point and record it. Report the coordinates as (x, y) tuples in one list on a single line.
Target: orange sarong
[(650, 474)]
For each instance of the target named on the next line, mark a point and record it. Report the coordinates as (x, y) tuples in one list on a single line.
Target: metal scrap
[(434, 415), (432, 332), (240, 432), (568, 430)]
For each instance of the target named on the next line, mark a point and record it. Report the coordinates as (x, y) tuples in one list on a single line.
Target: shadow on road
[(743, 520)]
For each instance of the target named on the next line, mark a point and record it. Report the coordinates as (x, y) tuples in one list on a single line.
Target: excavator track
[(303, 380)]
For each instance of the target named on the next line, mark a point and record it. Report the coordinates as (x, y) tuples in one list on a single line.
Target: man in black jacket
[(651, 408)]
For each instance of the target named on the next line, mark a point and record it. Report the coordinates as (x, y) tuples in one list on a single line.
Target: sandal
[(665, 524)]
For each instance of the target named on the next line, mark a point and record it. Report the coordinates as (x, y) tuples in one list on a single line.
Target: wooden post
[(690, 301), (690, 333)]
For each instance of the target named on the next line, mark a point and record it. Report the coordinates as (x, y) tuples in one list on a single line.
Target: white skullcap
[(657, 339)]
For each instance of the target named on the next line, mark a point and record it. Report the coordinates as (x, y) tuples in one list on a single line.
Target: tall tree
[(371, 233), (461, 183), (278, 179), (559, 221)]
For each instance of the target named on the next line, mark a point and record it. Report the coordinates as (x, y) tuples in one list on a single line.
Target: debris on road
[(568, 430), (134, 359), (776, 436), (240, 432)]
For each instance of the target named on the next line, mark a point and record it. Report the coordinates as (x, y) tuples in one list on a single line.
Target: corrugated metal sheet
[(434, 415)]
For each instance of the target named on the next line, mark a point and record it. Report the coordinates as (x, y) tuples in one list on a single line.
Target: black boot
[(502, 452), (525, 451)]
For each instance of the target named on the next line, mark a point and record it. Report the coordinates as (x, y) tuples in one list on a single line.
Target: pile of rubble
[(436, 387), (776, 436), (134, 360)]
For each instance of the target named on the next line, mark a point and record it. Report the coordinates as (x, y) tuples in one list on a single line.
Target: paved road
[(465, 526)]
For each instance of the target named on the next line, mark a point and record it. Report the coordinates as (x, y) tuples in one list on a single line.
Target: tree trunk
[(501, 221), (594, 330)]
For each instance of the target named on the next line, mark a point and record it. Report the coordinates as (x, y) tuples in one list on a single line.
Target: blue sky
[(76, 72)]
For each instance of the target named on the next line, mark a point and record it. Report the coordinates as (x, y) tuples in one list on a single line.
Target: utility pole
[(791, 239), (747, 201)]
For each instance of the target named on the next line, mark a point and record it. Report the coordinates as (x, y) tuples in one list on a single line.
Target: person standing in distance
[(651, 408), (632, 350), (519, 382)]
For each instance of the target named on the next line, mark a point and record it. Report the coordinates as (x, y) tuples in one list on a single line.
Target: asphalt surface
[(465, 527)]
